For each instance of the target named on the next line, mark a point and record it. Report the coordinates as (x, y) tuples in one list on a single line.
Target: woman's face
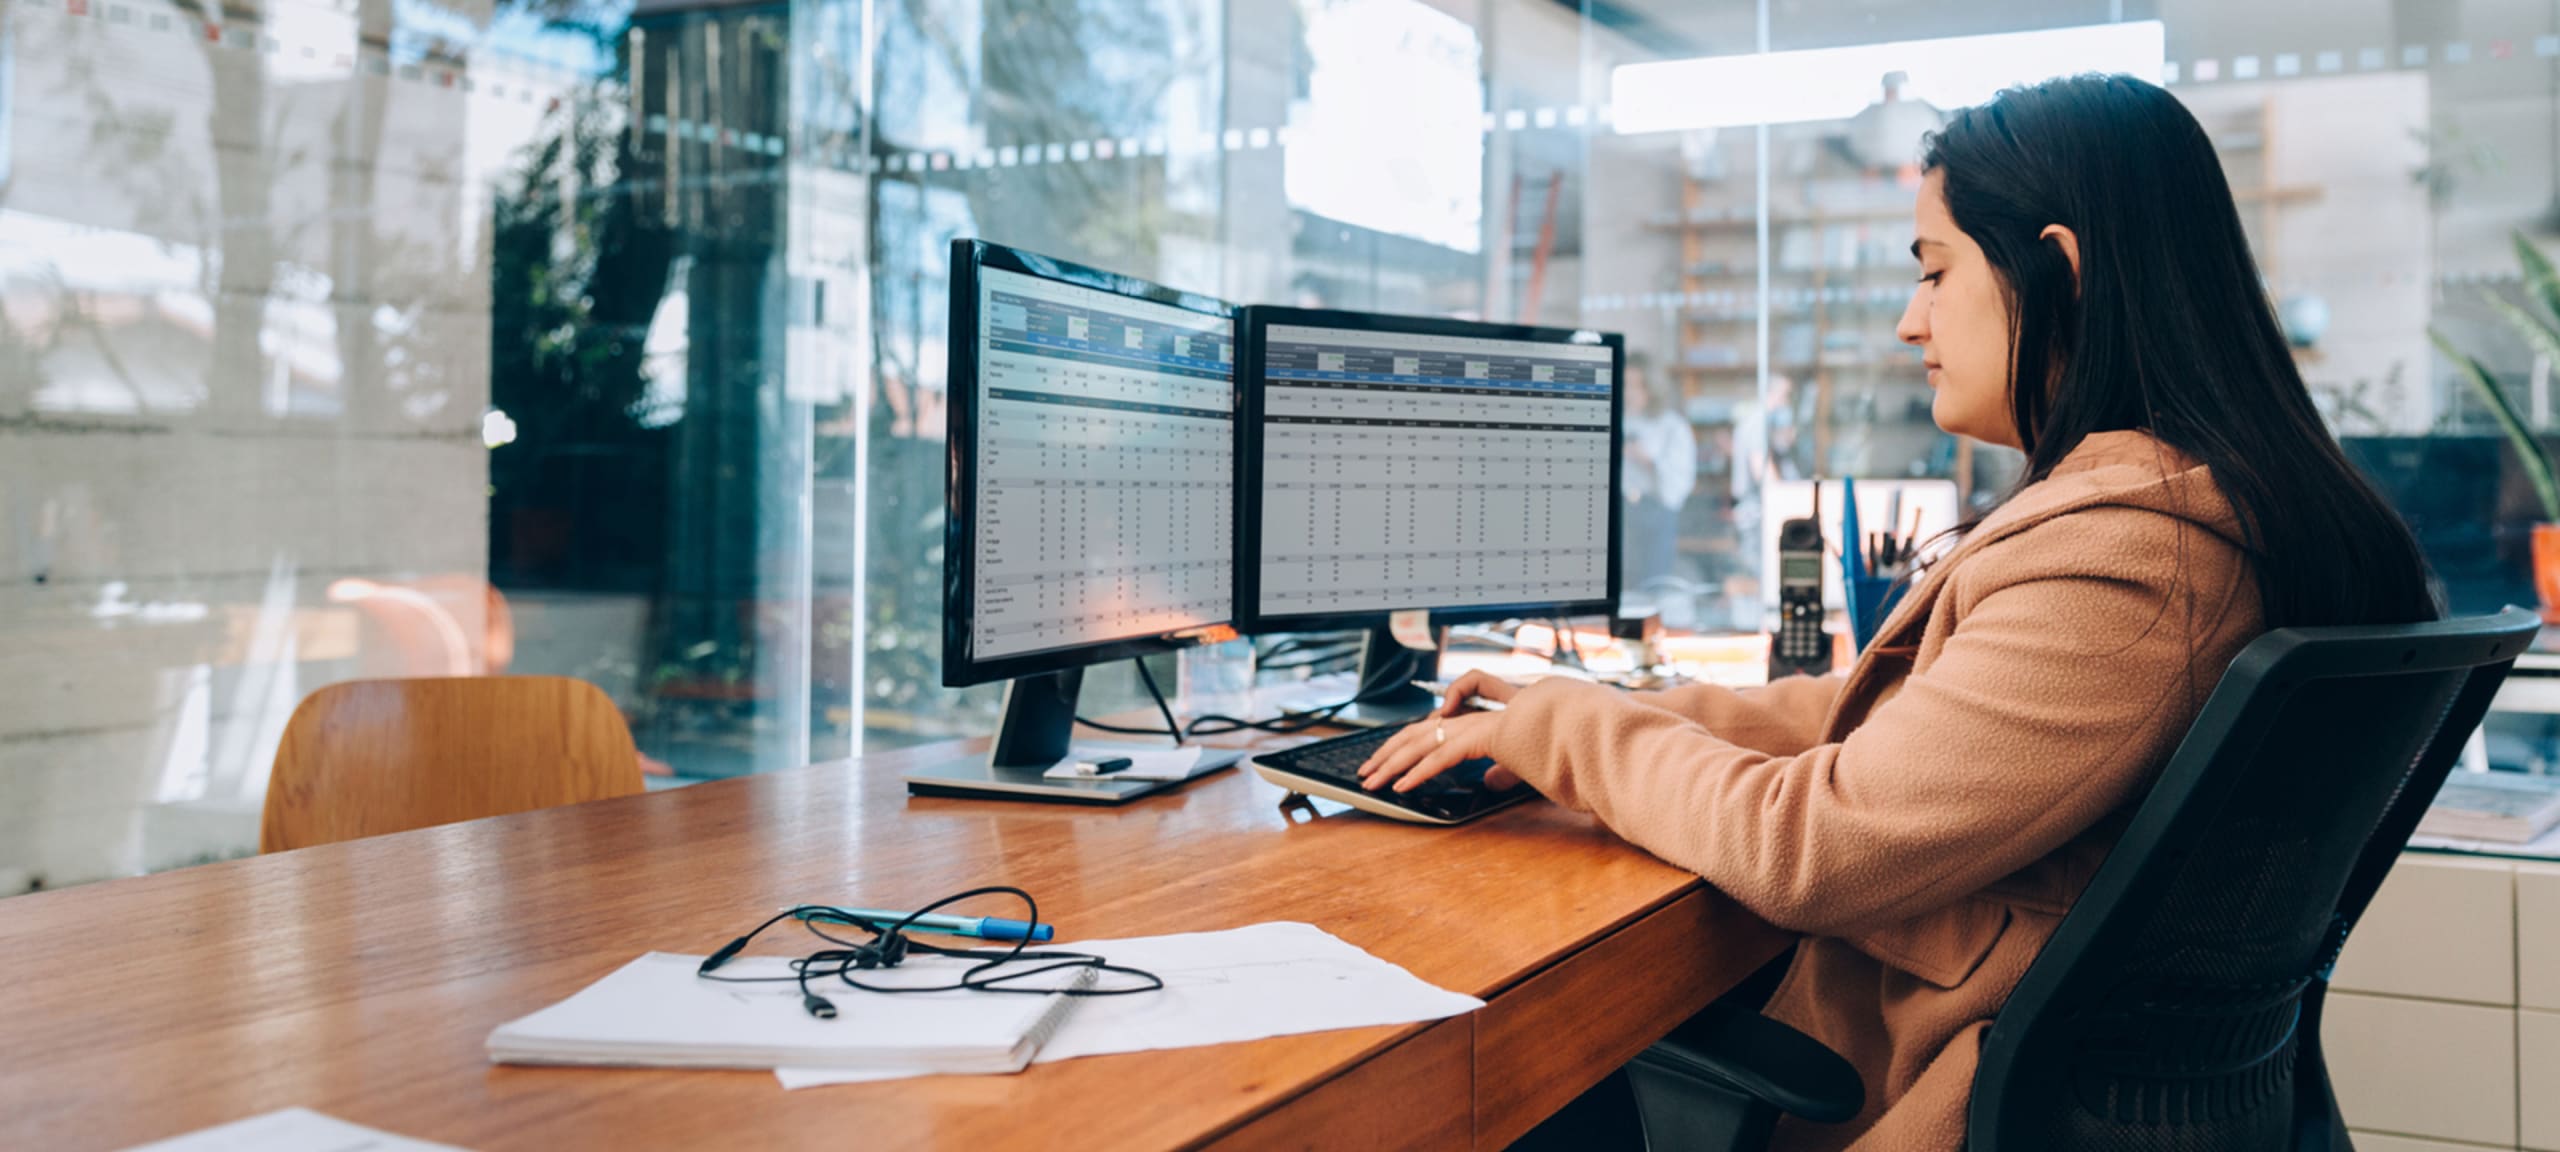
[(1960, 324)]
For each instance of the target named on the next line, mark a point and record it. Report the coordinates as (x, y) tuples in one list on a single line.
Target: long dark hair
[(2169, 331)]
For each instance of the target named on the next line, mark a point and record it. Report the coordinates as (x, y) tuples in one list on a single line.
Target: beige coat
[(1926, 820)]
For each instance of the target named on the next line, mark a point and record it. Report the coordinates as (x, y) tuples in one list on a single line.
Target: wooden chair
[(372, 756)]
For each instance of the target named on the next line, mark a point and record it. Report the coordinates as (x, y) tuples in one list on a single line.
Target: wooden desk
[(361, 979)]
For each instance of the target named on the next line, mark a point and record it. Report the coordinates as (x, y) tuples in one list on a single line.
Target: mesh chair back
[(2177, 1007)]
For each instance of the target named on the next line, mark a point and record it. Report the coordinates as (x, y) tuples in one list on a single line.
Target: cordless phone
[(1800, 644)]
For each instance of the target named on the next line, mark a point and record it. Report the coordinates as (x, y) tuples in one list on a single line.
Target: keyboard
[(1331, 769)]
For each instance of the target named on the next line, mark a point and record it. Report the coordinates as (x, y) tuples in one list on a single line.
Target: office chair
[(367, 757), (2177, 1007)]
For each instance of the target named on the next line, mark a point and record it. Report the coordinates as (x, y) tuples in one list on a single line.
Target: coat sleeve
[(2077, 659), (1782, 718)]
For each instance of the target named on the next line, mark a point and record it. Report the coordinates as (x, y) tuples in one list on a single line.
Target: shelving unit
[(2253, 186), (1832, 306)]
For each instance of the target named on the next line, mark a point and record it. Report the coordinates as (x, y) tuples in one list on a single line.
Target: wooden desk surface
[(361, 979)]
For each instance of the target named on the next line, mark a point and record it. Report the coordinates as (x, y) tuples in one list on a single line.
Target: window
[(411, 338)]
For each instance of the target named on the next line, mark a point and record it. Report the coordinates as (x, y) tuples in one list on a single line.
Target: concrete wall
[(245, 358)]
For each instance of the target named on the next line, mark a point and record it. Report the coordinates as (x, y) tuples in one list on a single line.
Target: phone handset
[(1800, 644)]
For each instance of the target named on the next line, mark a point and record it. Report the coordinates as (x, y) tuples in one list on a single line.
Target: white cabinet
[(2441, 928), (2423, 1067), (2443, 1022), (2538, 1078), (2537, 936)]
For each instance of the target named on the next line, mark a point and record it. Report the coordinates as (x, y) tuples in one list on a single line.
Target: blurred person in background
[(1657, 471)]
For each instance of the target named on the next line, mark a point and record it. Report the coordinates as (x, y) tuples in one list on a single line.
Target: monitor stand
[(1038, 722), (1036, 731), (1383, 656)]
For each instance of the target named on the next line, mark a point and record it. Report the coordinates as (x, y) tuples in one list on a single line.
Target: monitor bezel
[(961, 666), (1251, 323)]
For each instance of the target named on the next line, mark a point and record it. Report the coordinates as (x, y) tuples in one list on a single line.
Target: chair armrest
[(1747, 1052)]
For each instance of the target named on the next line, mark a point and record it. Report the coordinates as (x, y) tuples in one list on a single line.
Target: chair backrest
[(372, 756), (2178, 1000)]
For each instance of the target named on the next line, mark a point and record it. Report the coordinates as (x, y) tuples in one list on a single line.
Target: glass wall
[(349, 338)]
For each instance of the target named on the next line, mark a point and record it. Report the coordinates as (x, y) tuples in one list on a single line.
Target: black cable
[(1099, 726), (1396, 671), (1310, 650), (1171, 727), (1325, 640), (890, 945), (1565, 649), (1281, 650), (1328, 660), (1170, 724)]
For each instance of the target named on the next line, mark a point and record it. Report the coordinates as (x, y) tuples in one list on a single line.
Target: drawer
[(1417, 1095), (2538, 936), (2423, 1068), (2442, 927), (2387, 1142), (1542, 1041), (2538, 1068)]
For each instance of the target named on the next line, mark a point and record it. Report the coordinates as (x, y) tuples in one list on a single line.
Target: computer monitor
[(1089, 498), (1394, 463)]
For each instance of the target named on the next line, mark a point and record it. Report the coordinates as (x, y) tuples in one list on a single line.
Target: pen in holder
[(1872, 567), (1873, 598)]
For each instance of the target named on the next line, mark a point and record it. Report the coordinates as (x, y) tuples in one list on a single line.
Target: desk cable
[(890, 945), (1397, 672)]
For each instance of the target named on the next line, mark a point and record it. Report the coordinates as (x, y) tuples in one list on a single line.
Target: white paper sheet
[(292, 1130), (1144, 763), (656, 1011), (1279, 979)]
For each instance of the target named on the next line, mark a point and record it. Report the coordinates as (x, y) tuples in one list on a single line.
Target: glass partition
[(350, 338)]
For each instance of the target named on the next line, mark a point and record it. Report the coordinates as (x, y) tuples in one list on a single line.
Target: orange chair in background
[(367, 757)]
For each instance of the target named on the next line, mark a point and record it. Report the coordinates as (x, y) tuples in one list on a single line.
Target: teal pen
[(982, 927)]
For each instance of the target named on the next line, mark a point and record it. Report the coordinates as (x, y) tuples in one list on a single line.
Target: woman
[(2086, 295)]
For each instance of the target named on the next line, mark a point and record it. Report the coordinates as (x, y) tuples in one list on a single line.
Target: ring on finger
[(1439, 735)]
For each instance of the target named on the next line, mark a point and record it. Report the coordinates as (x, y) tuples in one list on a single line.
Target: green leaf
[(2537, 332), (2537, 463), (2541, 280)]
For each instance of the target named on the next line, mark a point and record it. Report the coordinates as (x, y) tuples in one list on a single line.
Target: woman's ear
[(2070, 244)]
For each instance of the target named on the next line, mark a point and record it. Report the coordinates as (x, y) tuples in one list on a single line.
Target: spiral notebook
[(657, 1011)]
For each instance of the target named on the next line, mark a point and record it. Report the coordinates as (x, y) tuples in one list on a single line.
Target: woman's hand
[(1472, 685), (1433, 745)]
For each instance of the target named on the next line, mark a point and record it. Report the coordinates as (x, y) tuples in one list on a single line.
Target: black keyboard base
[(1331, 769)]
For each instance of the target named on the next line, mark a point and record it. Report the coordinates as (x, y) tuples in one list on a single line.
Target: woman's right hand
[(1475, 684)]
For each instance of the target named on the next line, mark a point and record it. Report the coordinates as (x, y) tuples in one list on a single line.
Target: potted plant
[(2542, 334)]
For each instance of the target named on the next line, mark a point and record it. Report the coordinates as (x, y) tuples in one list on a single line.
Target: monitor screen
[(1104, 467), (1403, 470)]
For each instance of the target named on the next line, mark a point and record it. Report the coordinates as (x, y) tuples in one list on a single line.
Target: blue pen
[(982, 927), (1853, 566)]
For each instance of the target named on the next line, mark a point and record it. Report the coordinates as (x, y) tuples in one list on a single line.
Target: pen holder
[(1871, 599)]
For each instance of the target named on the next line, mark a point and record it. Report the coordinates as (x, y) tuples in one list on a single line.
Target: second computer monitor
[(1394, 463)]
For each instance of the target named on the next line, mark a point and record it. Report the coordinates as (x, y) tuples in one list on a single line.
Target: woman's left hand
[(1433, 745)]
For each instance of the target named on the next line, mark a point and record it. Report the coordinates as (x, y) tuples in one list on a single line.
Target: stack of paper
[(1144, 763), (1278, 979), (657, 1011), (2505, 807)]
